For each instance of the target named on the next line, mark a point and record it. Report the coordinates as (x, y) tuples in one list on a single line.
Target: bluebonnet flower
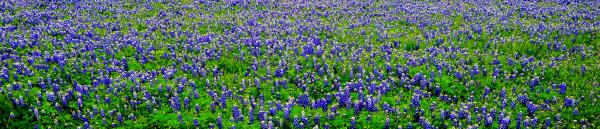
[(12, 115), (531, 108), (304, 119), (107, 99), (437, 91), (196, 95), (519, 120), (175, 103), (261, 115), (415, 101), (21, 101), (36, 113), (272, 111), (213, 106), (583, 69), (387, 123), (197, 107), (488, 121), (307, 49), (223, 100), (219, 122), (251, 115), (568, 102), (196, 122), (236, 113), (357, 108), (180, 118), (486, 91), (58, 107), (39, 96), (317, 119), (533, 122), (512, 104), (50, 96), (148, 105), (132, 116), (296, 121), (186, 103), (563, 88), (533, 83), (353, 123), (80, 104), (547, 123), (120, 118)]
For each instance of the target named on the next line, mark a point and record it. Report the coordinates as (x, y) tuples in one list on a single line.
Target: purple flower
[(148, 105), (213, 106), (531, 108), (415, 101), (236, 113), (317, 119), (175, 103), (57, 106), (488, 121), (36, 113), (296, 121), (197, 107), (548, 121), (50, 96), (132, 116), (120, 118), (308, 49), (519, 120), (180, 118), (533, 83), (562, 88), (186, 103), (80, 104), (107, 99), (272, 111), (353, 123), (387, 123), (583, 69), (223, 100), (12, 115), (251, 115), (304, 119), (568, 102), (219, 122)]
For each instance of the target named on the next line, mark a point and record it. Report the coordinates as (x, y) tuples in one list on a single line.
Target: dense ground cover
[(299, 64)]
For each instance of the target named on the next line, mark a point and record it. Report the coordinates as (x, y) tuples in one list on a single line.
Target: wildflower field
[(300, 64)]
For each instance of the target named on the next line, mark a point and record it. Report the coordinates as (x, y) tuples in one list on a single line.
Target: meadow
[(299, 64)]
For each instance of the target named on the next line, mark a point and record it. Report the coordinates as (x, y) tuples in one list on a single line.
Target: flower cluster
[(299, 64)]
